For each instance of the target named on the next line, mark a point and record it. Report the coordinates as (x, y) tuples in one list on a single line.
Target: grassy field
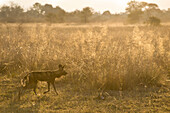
[(128, 65)]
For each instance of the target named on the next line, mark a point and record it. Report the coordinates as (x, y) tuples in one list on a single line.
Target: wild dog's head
[(61, 70)]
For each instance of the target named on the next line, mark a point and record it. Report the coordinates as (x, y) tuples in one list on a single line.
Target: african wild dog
[(31, 79)]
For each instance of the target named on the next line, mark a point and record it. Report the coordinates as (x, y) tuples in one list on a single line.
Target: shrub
[(116, 58), (154, 21)]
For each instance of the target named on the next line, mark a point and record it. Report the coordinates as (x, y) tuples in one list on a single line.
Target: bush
[(118, 58), (154, 21)]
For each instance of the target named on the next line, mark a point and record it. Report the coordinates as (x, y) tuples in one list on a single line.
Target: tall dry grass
[(96, 57)]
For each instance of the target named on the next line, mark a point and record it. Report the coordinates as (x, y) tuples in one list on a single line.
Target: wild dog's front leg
[(54, 87), (35, 86), (48, 88)]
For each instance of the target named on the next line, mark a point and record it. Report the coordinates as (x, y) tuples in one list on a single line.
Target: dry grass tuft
[(99, 57)]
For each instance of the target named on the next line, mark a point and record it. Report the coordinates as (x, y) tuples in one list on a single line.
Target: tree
[(105, 16), (47, 8), (152, 6), (86, 13), (51, 17), (154, 21), (5, 12), (38, 7), (107, 13), (12, 13), (35, 13), (152, 10), (54, 14), (60, 13), (134, 11), (141, 10), (74, 16)]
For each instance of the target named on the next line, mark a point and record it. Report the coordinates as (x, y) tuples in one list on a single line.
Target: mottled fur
[(31, 79)]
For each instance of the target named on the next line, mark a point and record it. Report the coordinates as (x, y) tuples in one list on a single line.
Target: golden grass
[(101, 57)]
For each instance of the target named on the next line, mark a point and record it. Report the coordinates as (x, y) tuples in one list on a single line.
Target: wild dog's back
[(48, 75), (42, 75)]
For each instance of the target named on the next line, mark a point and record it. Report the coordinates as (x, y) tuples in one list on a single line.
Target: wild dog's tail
[(24, 83), (25, 80)]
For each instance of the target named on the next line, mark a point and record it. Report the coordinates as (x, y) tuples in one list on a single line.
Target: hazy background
[(85, 11), (114, 6)]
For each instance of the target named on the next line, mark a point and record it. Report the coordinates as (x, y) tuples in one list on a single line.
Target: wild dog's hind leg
[(54, 87), (21, 91), (48, 88)]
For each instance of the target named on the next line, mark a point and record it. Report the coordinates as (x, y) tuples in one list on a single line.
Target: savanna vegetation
[(110, 68), (112, 65), (136, 13)]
